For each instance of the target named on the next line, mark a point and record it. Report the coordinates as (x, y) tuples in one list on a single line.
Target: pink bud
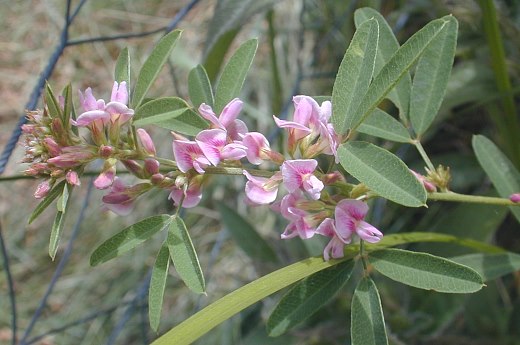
[(146, 141), (157, 179), (151, 166), (52, 146), (72, 178), (515, 197), (106, 178), (105, 151), (43, 189)]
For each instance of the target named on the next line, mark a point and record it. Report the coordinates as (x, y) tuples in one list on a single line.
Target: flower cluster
[(55, 151)]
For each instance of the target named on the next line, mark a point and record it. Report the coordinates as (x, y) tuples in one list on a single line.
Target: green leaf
[(246, 236), (307, 296), (499, 168), (490, 266), (184, 256), (122, 70), (52, 103), (59, 220), (383, 125), (398, 66), (234, 74), (203, 321), (367, 321), (53, 194), (129, 238), (382, 172), (172, 113), (157, 286), (67, 105), (153, 65), (354, 76), (425, 271), (387, 47), (199, 87), (431, 78)]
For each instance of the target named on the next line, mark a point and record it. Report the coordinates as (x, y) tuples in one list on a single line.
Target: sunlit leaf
[(129, 238), (67, 105), (431, 77), (52, 103), (354, 75), (122, 70), (382, 172), (199, 87), (367, 321), (398, 66), (152, 66), (184, 256), (234, 74), (425, 271), (387, 47), (383, 125), (307, 296), (157, 286), (499, 168)]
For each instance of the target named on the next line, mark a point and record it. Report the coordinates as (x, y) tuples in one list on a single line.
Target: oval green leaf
[(387, 47), (246, 236), (499, 168), (59, 220), (367, 321), (354, 76), (307, 296), (234, 74), (382, 172), (425, 271), (490, 266), (199, 87), (398, 66), (431, 77), (382, 125), (157, 286), (122, 70), (129, 238), (51, 102), (152, 66), (184, 256)]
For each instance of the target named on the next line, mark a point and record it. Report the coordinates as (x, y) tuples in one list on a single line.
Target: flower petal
[(368, 232), (230, 112)]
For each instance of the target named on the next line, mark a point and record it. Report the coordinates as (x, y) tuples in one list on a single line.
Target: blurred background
[(301, 44)]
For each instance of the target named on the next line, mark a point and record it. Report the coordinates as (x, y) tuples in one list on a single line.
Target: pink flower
[(72, 156), (191, 197), (72, 178), (349, 216), (515, 197), (335, 246), (146, 141), (258, 149), (189, 155), (227, 119), (302, 223), (213, 143), (121, 197), (310, 121), (261, 190), (105, 178), (298, 174), (43, 189), (94, 110)]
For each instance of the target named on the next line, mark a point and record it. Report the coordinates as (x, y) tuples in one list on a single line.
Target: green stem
[(423, 154), (362, 255), (474, 199)]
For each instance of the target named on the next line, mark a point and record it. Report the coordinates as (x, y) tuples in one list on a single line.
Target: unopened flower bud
[(157, 178), (134, 167), (151, 166), (72, 178), (515, 197), (331, 178), (105, 151), (52, 146), (43, 189), (146, 141)]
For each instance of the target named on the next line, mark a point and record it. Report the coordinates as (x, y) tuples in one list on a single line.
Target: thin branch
[(10, 286)]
